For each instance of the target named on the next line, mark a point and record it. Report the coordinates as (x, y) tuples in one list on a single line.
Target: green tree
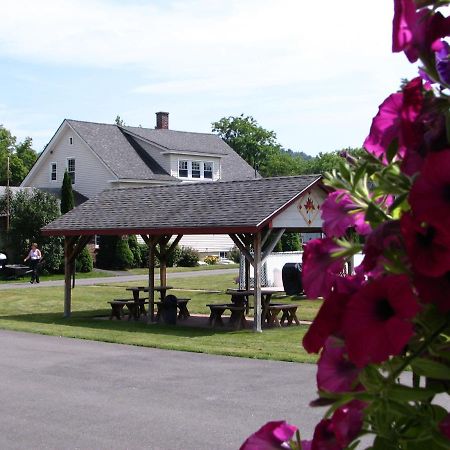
[(21, 157), (30, 211), (119, 121), (67, 199), (84, 262), (252, 142)]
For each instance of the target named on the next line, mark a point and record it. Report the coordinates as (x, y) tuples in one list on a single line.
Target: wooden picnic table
[(137, 289), (270, 311)]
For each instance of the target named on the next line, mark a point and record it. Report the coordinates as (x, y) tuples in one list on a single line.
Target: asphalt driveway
[(60, 393)]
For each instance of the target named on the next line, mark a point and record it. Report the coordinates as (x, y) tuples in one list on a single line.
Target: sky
[(312, 71)]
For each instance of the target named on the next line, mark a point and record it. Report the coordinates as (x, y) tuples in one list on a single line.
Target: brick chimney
[(162, 121)]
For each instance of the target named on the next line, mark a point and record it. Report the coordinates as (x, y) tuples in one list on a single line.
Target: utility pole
[(7, 195)]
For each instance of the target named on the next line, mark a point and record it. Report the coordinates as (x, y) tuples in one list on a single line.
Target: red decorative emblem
[(309, 207)]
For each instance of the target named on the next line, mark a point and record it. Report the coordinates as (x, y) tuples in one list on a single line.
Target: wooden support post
[(257, 282), (163, 254), (151, 278), (68, 249), (268, 249)]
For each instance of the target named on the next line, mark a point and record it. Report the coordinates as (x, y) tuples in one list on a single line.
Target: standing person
[(34, 256)]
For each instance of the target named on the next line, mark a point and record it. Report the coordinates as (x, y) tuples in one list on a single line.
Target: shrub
[(188, 257), (84, 261), (235, 255), (211, 260), (133, 244), (114, 253)]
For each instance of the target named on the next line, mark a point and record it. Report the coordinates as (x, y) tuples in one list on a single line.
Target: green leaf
[(430, 368), (402, 393)]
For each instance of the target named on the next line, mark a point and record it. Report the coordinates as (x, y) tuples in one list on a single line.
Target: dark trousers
[(34, 270)]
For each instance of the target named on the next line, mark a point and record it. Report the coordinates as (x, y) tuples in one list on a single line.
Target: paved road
[(60, 393), (119, 279)]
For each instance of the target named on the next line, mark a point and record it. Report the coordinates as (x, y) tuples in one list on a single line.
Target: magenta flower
[(430, 194), (417, 32), (397, 118), (385, 126), (327, 322), (271, 436), (335, 373), (444, 426), (347, 422), (434, 290), (340, 212), (385, 237), (377, 321), (320, 269), (339, 431), (428, 246)]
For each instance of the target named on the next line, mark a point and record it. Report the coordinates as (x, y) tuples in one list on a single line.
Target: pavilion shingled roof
[(185, 208)]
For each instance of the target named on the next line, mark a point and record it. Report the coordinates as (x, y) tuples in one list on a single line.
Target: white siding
[(91, 176), (208, 243)]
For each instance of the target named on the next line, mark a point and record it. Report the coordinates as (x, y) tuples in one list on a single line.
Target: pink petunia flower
[(340, 212), (327, 322), (417, 32), (385, 126), (347, 422), (385, 237), (430, 194), (272, 436), (320, 269), (428, 246), (434, 290), (339, 431), (335, 373), (377, 321), (398, 118)]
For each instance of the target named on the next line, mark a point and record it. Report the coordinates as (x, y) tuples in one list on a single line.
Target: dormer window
[(183, 171), (71, 169), (208, 170), (195, 169)]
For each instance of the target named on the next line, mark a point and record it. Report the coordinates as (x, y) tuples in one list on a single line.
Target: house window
[(71, 169), (208, 170), (53, 171), (71, 141), (195, 169), (183, 171)]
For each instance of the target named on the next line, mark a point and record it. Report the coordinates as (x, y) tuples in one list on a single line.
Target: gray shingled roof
[(129, 159), (115, 150), (194, 208), (182, 141)]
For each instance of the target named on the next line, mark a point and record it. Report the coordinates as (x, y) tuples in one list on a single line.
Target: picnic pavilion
[(254, 213)]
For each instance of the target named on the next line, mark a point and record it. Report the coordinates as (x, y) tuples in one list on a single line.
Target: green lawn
[(39, 310), (101, 274)]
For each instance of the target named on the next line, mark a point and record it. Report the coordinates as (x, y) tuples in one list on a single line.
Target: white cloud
[(202, 45)]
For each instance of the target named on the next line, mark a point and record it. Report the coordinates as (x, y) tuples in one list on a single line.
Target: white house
[(101, 156)]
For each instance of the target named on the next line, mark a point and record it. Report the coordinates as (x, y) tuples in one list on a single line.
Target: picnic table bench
[(135, 308), (237, 318), (271, 311)]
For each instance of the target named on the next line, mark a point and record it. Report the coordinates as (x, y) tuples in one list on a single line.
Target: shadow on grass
[(99, 320)]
